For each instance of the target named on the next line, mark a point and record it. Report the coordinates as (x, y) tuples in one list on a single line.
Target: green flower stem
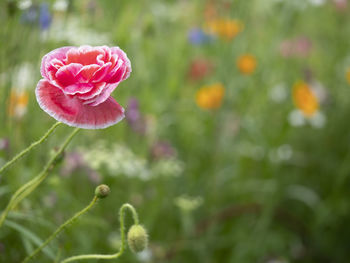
[(61, 228), (29, 187), (30, 147), (123, 239)]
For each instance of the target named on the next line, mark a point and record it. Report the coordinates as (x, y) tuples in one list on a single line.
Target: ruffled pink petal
[(56, 63), (121, 54), (94, 92), (118, 73), (55, 55), (87, 72), (85, 55), (100, 98), (73, 113), (68, 75), (101, 73), (79, 88)]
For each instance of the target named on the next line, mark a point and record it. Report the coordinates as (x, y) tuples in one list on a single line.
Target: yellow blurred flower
[(18, 102), (305, 99), (224, 28), (348, 75), (246, 64), (210, 97)]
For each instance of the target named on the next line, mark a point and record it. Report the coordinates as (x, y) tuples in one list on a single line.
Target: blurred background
[(235, 145)]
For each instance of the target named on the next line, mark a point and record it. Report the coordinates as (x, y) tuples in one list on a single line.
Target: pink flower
[(341, 5), (297, 47), (77, 84)]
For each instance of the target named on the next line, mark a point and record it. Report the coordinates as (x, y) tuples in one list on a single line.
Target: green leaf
[(30, 236)]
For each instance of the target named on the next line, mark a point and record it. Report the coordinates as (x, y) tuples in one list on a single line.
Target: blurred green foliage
[(245, 184)]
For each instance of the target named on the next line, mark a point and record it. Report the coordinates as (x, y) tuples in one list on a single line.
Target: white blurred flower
[(278, 93), (318, 120), (118, 160), (168, 167), (319, 90), (144, 256), (282, 153), (188, 203), (170, 11), (24, 4), (23, 77), (317, 2), (76, 34), (296, 118), (60, 5)]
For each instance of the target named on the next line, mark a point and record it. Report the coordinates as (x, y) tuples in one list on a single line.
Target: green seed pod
[(102, 191), (137, 238)]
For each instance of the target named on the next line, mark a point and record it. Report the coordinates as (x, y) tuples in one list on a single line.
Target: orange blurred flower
[(348, 75), (210, 97), (18, 102), (305, 99), (224, 28), (246, 64)]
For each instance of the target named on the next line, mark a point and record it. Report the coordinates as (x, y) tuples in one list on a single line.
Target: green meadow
[(235, 146)]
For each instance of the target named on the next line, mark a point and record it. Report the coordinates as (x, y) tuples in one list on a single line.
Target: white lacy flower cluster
[(121, 160), (188, 203), (75, 33)]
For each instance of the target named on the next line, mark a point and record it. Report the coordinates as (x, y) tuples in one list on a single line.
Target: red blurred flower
[(199, 68)]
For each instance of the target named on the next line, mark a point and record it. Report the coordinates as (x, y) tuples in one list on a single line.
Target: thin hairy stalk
[(30, 147), (29, 187), (61, 228), (122, 233)]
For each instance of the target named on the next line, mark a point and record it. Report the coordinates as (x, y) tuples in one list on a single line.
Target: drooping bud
[(137, 238), (102, 191)]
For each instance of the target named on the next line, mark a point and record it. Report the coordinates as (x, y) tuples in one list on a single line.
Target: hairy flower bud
[(102, 191), (137, 238)]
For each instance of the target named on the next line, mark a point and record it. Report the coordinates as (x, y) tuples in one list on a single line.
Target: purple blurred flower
[(4, 144), (197, 36), (45, 17), (74, 161), (162, 150), (134, 118)]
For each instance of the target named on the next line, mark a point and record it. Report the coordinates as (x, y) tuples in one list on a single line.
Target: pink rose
[(77, 84)]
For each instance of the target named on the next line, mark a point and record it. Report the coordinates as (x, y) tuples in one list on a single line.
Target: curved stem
[(61, 228), (122, 233), (29, 187), (30, 147)]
